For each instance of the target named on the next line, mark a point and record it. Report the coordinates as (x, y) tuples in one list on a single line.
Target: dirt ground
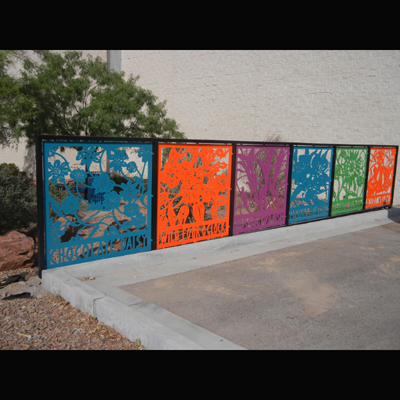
[(43, 321)]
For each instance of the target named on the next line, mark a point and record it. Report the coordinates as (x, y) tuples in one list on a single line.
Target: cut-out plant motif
[(261, 179), (349, 180), (311, 181), (122, 209), (194, 186), (380, 176)]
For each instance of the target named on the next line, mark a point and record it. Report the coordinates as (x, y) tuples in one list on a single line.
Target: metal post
[(233, 189), (289, 183), (366, 176), (40, 205), (332, 180), (394, 174), (154, 195)]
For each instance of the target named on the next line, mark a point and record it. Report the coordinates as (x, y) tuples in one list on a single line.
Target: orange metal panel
[(380, 177), (193, 193)]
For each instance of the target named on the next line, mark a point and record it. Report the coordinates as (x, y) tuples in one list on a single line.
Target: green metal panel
[(349, 179)]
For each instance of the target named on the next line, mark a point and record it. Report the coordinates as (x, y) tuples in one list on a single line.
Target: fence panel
[(193, 193), (380, 177), (349, 179), (91, 213), (310, 183), (260, 187), (95, 199)]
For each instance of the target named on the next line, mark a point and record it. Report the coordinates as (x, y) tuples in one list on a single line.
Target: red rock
[(16, 251)]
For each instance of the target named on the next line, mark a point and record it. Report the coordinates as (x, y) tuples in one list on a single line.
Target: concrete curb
[(159, 329), (142, 321)]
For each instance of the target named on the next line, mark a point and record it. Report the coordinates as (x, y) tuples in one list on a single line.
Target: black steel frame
[(234, 143)]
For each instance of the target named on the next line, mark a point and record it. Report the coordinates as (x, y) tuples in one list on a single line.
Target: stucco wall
[(302, 96)]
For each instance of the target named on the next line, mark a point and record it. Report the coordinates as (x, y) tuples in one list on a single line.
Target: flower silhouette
[(111, 201), (117, 158), (78, 175), (132, 167), (192, 182), (350, 173), (145, 155), (129, 191), (103, 183), (88, 155), (122, 207), (70, 205), (58, 171), (311, 176), (381, 170)]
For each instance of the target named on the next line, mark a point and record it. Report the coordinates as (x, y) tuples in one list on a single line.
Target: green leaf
[(66, 94)]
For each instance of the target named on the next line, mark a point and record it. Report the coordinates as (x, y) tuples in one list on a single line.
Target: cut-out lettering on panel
[(97, 201), (349, 180), (380, 177), (260, 187), (310, 183), (193, 193)]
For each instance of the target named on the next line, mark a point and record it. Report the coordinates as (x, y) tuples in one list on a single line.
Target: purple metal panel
[(260, 189)]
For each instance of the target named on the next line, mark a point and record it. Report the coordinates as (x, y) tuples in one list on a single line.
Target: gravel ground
[(44, 321)]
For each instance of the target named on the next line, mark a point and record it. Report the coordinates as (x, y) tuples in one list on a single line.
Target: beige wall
[(307, 96), (338, 97)]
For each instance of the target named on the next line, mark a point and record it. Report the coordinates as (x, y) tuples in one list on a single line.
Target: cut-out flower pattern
[(103, 183), (117, 158), (120, 198), (132, 167), (131, 209), (88, 155), (381, 169), (349, 174), (193, 185), (129, 191), (259, 180), (261, 177), (310, 177), (145, 154), (111, 201), (58, 171), (70, 205), (78, 175)]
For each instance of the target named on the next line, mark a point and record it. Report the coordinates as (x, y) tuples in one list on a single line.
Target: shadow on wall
[(30, 162)]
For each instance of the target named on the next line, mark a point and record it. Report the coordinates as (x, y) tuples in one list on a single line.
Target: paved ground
[(324, 285), (336, 293)]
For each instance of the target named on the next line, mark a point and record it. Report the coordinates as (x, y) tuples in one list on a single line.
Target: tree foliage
[(14, 104), (17, 200), (67, 94)]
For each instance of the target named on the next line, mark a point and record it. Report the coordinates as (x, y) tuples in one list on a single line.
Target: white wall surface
[(343, 97)]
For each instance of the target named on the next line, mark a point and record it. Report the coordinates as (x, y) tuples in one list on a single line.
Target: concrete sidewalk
[(329, 284)]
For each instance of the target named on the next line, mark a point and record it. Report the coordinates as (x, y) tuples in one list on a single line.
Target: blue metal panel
[(107, 210), (311, 183)]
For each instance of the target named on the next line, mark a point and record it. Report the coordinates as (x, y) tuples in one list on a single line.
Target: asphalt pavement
[(326, 285)]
